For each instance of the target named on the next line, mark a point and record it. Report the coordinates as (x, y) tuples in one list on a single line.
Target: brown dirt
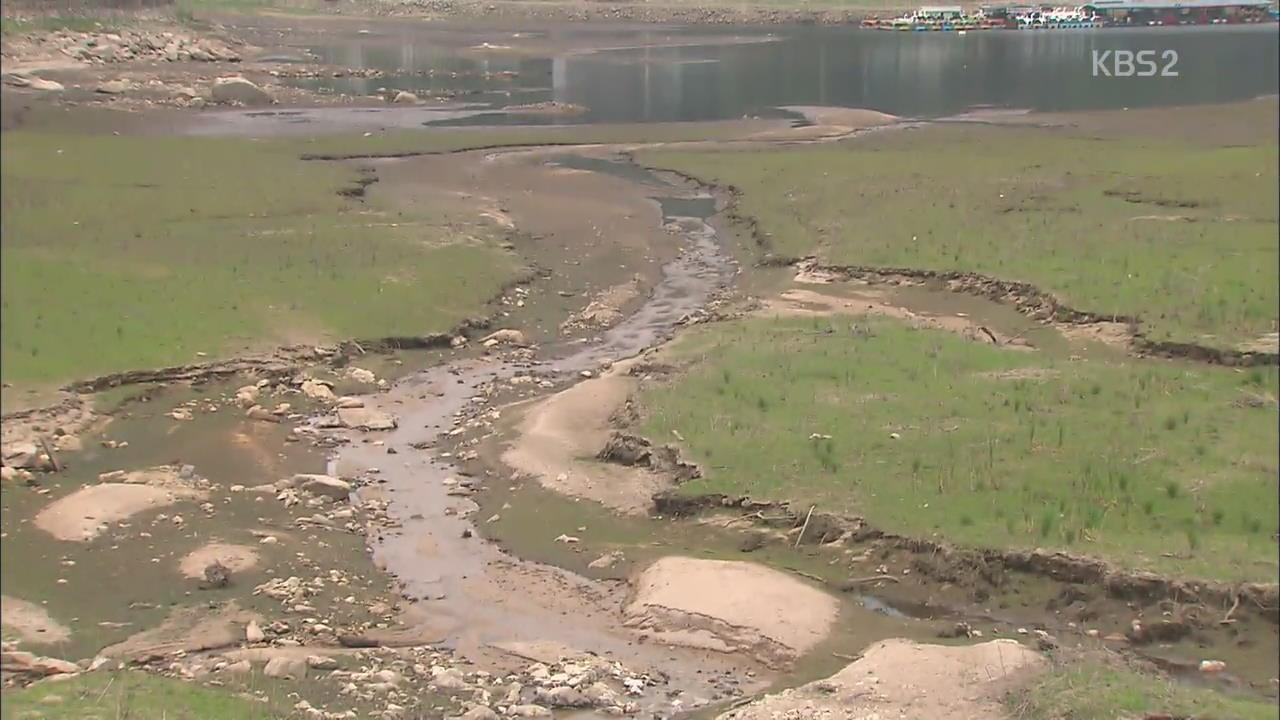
[(186, 630), (30, 622), (558, 432), (868, 301), (236, 558), (1033, 302), (900, 678), (82, 515), (730, 607)]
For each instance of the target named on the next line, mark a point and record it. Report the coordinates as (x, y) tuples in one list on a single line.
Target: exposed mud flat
[(559, 436)]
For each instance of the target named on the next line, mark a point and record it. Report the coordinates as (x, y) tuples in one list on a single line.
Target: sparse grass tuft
[(1096, 690), (134, 695)]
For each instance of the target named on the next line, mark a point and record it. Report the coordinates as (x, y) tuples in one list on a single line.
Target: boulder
[(238, 91), (361, 375), (365, 419), (23, 455), (68, 443), (253, 632), (479, 712), (405, 98), (317, 390), (114, 87), (282, 666), (504, 337), (257, 412), (450, 679), (17, 661), (528, 711), (324, 485), (562, 697)]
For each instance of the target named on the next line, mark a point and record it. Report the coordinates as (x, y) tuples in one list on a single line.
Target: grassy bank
[(123, 253), (1183, 236), (1096, 690), (933, 435), (134, 695)]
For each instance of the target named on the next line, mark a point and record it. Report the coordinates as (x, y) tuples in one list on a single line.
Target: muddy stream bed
[(525, 586)]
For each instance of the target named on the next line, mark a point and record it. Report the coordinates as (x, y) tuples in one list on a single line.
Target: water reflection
[(912, 74)]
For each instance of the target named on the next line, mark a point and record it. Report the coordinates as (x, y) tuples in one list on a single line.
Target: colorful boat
[(1094, 14)]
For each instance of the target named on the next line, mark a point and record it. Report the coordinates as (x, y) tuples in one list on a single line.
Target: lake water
[(746, 71)]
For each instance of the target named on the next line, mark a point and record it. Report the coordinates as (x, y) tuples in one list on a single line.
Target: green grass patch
[(932, 435), (125, 252), (1184, 237), (1090, 690), (134, 695)]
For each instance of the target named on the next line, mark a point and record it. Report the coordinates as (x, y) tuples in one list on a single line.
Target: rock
[(528, 711), (243, 667), (247, 396), (33, 83), (257, 412), (1211, 667), (17, 661), (253, 633), (361, 375), (366, 419), (450, 679), (347, 401), (1141, 633), (24, 455), (321, 662), (479, 712), (317, 390), (114, 87), (605, 561), (562, 697), (405, 98), (323, 485), (752, 541), (457, 341), (601, 695), (281, 666), (189, 93), (504, 337), (68, 443), (239, 91)]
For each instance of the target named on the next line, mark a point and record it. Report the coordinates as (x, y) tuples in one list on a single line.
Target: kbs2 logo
[(1126, 63)]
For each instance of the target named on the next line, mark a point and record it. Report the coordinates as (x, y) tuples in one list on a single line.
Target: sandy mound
[(186, 630), (557, 433), (31, 622), (235, 557), (83, 514), (899, 678), (730, 607)]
